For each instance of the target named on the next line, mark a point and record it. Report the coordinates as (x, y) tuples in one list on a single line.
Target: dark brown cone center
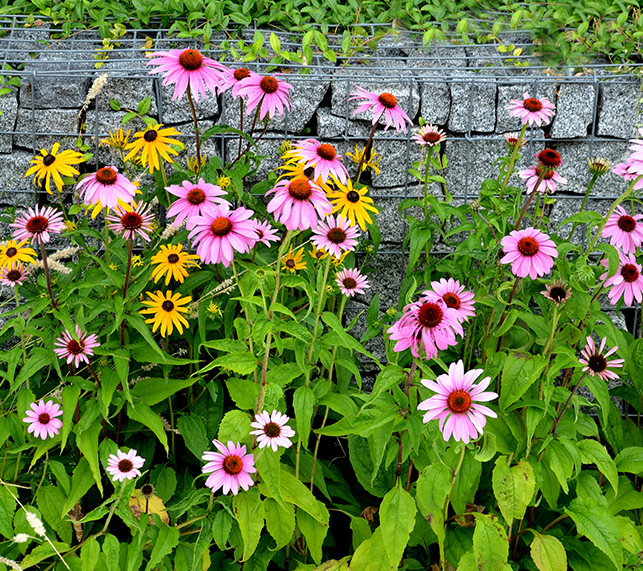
[(272, 429), (431, 137), (221, 226), (37, 224), (167, 305), (300, 189), (326, 152), (290, 263), (597, 363), (336, 235), (150, 135), (532, 104), (528, 246), (132, 220), (14, 275), (388, 100), (125, 465), (269, 84), (558, 294), (11, 252), (626, 223), (430, 314), (232, 465), (191, 60), (147, 490), (459, 401), (549, 158), (241, 73), (452, 300), (75, 347), (549, 174), (172, 259), (630, 273), (352, 196), (106, 176), (44, 418), (48, 160), (349, 283), (196, 196)]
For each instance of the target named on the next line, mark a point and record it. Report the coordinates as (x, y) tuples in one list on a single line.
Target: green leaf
[(314, 532), (248, 510), (7, 508), (111, 549), (269, 468), (275, 44), (360, 459), (466, 483), (630, 536), (518, 374), (397, 517), (235, 426), (70, 400), (82, 480), (240, 363), (433, 488), (294, 492), (154, 391), (513, 487), (303, 402), (89, 554), (202, 543), (280, 521), (142, 413), (548, 553), (221, 528), (88, 444), (144, 106), (167, 540), (490, 545), (630, 460), (191, 428), (594, 453)]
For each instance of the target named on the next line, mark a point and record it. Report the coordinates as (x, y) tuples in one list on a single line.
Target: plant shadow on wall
[(190, 396)]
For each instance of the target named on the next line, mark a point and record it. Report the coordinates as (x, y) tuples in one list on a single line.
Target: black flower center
[(172, 259), (388, 100), (597, 363), (232, 465), (431, 137), (14, 275), (125, 465), (336, 235), (532, 104), (147, 490), (430, 314), (626, 223), (191, 60), (106, 176), (300, 189), (528, 246), (221, 226), (150, 135), (326, 152), (459, 401), (558, 294), (352, 196), (167, 305), (11, 252), (269, 85), (290, 263), (630, 273), (272, 429), (48, 160)]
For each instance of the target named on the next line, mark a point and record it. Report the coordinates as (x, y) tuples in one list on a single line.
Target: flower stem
[(400, 453), (114, 507), (320, 305), (22, 331), (196, 131), (582, 206), (560, 415), (541, 176), (240, 124), (130, 244), (512, 161), (361, 159), (45, 266), (504, 313)]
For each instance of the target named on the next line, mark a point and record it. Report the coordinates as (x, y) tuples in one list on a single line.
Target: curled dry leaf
[(155, 505), (368, 513)]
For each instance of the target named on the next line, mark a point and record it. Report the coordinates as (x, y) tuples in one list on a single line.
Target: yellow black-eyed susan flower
[(166, 309), (172, 263), (352, 203), (153, 142), (14, 251), (53, 165), (293, 261)]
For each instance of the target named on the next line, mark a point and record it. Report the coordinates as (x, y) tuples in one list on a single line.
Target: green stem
[(541, 176), (512, 161), (320, 305), (130, 246), (22, 331), (446, 504), (196, 131), (533, 222), (582, 206), (114, 508), (560, 415), (45, 266)]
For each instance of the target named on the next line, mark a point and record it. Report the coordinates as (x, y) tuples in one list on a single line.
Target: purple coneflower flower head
[(624, 231), (549, 159), (596, 363), (265, 233), (321, 156), (194, 199), (232, 78), (133, 222), (455, 297), (188, 67), (76, 350), (558, 292), (42, 419), (220, 231), (335, 235), (512, 140), (124, 466), (106, 186), (230, 468), (270, 92), (627, 281), (272, 430), (530, 252), (531, 110), (37, 223), (14, 274), (351, 282), (298, 203), (456, 403), (551, 179), (386, 104), (429, 135), (428, 324)]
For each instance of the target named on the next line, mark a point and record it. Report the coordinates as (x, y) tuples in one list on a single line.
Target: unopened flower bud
[(598, 166)]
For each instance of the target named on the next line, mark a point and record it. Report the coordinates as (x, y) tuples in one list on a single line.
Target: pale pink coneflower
[(124, 466), (220, 231), (272, 430), (194, 199), (336, 235), (37, 223), (268, 91), (455, 297), (512, 140), (385, 103), (429, 135), (624, 231), (188, 67), (530, 252), (630, 170), (76, 350), (298, 203), (627, 281), (232, 78), (106, 186), (42, 419), (265, 233), (596, 363), (130, 223), (14, 274), (456, 403), (351, 282), (551, 179), (230, 468), (532, 110), (323, 157)]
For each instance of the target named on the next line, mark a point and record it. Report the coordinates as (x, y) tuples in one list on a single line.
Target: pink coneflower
[(453, 294), (429, 135), (557, 291), (233, 78), (627, 281), (220, 231), (323, 158), (385, 103), (351, 282), (512, 140), (427, 324), (124, 466), (298, 203), (596, 363), (188, 67), (37, 223), (624, 231), (265, 233), (194, 199), (456, 403), (106, 186), (271, 92), (630, 170), (129, 223), (231, 467), (335, 235), (272, 430), (550, 181), (76, 350), (530, 251), (14, 274), (42, 419), (549, 159), (532, 110)]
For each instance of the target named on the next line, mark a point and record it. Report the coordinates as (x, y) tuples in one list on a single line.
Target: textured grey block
[(440, 57), (473, 103), (393, 164), (266, 147), (389, 221), (9, 109), (12, 177), (618, 113), (483, 57), (330, 126), (575, 108), (436, 102), (128, 83), (59, 124), (25, 41), (180, 112), (506, 93)]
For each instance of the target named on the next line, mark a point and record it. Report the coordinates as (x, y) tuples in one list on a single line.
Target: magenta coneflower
[(265, 233), (194, 199), (129, 223), (456, 403), (14, 274), (233, 78), (627, 281), (385, 103), (106, 186), (551, 179), (532, 110), (188, 67), (42, 419), (37, 223), (630, 170), (268, 91), (455, 297), (624, 231), (322, 157), (429, 135), (231, 468), (427, 324), (596, 363), (335, 235), (351, 282), (558, 292), (298, 203), (220, 231), (530, 251), (76, 350), (272, 430), (549, 159), (124, 466)]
